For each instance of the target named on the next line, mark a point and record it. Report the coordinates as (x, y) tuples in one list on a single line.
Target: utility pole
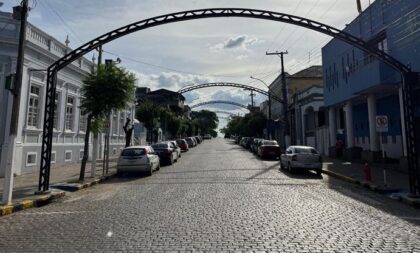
[(252, 99), (21, 14), (285, 102), (269, 106)]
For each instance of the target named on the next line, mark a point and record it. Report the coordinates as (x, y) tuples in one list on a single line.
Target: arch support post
[(47, 134), (409, 81)]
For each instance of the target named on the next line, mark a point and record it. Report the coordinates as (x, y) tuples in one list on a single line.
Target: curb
[(74, 186), (414, 202), (29, 203), (46, 199)]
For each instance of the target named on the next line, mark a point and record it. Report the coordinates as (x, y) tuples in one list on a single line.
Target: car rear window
[(180, 141), (270, 143), (133, 152), (160, 146), (305, 151)]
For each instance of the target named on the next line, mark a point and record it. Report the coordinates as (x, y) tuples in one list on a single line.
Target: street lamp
[(269, 104)]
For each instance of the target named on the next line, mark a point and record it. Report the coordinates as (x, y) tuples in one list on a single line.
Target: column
[(402, 118), (303, 124), (373, 137), (349, 124), (332, 125)]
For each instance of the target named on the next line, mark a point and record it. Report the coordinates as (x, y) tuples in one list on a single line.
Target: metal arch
[(225, 112), (225, 84), (406, 74), (219, 102)]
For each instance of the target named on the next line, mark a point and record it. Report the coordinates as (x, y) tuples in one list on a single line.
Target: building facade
[(358, 87), (69, 123)]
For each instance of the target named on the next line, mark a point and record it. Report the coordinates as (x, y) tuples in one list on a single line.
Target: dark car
[(255, 144), (191, 143), (182, 143), (198, 140), (248, 143), (269, 148), (166, 152)]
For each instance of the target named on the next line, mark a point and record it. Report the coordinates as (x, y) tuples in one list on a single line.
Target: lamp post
[(269, 106)]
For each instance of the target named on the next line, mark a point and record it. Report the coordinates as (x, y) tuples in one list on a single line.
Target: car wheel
[(289, 168), (281, 165), (318, 172), (150, 172), (158, 167), (179, 155)]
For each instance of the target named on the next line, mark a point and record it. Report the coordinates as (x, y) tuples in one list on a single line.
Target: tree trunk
[(86, 149), (94, 153)]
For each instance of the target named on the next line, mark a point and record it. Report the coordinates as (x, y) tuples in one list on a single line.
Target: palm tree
[(108, 88)]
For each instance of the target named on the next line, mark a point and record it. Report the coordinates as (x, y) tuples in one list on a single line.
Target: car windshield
[(160, 146), (305, 151), (133, 152)]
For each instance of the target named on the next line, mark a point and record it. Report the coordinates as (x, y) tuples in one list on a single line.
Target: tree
[(108, 88), (205, 120), (252, 124), (147, 113), (128, 130)]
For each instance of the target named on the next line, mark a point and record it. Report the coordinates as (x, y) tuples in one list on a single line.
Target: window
[(83, 122), (81, 154), (31, 159), (53, 155), (67, 156), (33, 108), (56, 110), (69, 113), (114, 151), (133, 152)]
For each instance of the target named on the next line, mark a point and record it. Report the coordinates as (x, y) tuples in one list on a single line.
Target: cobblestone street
[(217, 197)]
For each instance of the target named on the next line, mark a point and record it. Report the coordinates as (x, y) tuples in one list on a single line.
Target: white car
[(301, 157), (138, 159)]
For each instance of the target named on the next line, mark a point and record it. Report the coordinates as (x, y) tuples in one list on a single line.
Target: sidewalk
[(26, 184), (396, 180)]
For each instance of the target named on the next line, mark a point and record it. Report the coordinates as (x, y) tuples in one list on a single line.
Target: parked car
[(191, 142), (269, 148), (166, 152), (177, 149), (207, 137), (255, 144), (248, 143), (138, 159), (197, 139), (182, 143), (301, 157)]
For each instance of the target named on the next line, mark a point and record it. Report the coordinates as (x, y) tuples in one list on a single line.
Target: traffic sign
[(381, 123)]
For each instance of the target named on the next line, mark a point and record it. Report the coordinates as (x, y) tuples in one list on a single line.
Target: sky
[(196, 51)]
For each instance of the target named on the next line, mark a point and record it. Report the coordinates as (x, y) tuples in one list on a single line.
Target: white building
[(69, 125)]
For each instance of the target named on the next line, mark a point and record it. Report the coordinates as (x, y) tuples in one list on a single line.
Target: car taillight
[(168, 151), (294, 158), (145, 151)]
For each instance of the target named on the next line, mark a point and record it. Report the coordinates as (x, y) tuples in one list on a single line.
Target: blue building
[(358, 87)]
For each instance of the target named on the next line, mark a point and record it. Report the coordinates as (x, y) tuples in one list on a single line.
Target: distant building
[(69, 123), (358, 87), (163, 97), (295, 83)]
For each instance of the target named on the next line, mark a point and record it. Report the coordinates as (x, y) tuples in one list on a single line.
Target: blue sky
[(197, 51)]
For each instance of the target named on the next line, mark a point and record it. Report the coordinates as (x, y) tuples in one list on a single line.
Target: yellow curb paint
[(6, 210), (45, 197), (27, 204)]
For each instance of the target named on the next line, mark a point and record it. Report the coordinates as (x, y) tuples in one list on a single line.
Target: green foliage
[(252, 124), (205, 121), (108, 88), (147, 113)]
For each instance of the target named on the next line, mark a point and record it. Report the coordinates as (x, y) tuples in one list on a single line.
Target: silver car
[(301, 157), (138, 159)]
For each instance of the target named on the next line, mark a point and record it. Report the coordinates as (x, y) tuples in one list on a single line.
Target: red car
[(183, 145), (269, 149)]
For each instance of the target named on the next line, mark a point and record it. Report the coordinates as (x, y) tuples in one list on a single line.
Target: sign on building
[(381, 123)]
